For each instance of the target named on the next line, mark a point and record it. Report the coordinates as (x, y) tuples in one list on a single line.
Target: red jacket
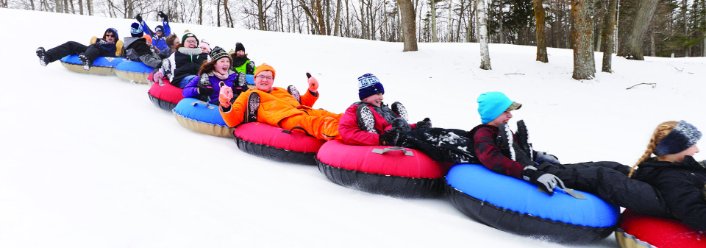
[(486, 150), (352, 134)]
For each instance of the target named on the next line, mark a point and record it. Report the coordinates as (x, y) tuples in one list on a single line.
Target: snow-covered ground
[(89, 161)]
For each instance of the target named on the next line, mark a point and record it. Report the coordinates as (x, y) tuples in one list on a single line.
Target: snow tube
[(250, 79), (164, 95), (133, 71), (101, 66), (394, 171), (514, 205), (646, 231), (273, 142), (201, 117)]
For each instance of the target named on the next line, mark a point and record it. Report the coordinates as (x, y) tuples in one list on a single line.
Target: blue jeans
[(186, 81)]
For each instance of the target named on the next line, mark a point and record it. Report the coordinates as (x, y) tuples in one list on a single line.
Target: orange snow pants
[(316, 122)]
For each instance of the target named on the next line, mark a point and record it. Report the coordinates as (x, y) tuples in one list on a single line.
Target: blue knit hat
[(136, 30), (368, 85), (683, 136), (493, 104)]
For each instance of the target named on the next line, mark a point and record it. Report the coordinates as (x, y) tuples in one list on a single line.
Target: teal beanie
[(493, 104)]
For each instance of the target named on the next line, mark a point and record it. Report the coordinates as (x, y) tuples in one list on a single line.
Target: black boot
[(294, 92), (523, 139), (399, 110), (251, 110), (42, 54), (84, 61), (366, 120)]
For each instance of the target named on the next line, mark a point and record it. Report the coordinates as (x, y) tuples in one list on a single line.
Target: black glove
[(205, 87), (400, 124), (424, 124), (546, 181), (138, 17), (541, 157), (162, 15), (393, 137)]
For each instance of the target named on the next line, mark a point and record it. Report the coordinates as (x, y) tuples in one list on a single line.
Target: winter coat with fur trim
[(682, 187), (489, 154), (274, 106), (185, 62)]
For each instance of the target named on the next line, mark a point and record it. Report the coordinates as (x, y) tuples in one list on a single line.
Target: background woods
[(632, 28)]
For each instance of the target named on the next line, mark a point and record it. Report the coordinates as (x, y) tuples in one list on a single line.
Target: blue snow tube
[(250, 79), (514, 205), (201, 117), (133, 71), (100, 66)]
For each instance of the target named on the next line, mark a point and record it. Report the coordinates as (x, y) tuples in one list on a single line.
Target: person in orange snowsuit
[(280, 107)]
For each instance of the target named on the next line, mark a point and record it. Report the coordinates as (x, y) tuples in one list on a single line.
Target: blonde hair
[(660, 132)]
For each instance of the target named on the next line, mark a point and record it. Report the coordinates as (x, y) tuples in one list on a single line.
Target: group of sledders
[(666, 181)]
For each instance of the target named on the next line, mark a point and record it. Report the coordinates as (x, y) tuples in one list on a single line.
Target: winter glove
[(162, 15), (541, 157), (400, 124), (546, 181), (158, 75), (424, 124), (205, 87), (225, 96), (138, 17), (393, 137), (313, 84)]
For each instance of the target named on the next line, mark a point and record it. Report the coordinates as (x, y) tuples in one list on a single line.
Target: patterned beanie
[(135, 30), (493, 104), (368, 85), (218, 53), (683, 136)]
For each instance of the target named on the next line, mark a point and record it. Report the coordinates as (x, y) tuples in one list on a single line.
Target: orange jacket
[(274, 106)]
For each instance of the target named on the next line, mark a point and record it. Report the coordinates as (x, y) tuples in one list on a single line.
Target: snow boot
[(400, 110), (84, 61), (366, 120), (251, 109), (166, 68), (42, 54), (294, 92), (523, 139)]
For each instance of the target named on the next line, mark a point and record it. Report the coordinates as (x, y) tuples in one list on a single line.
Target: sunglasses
[(109, 35)]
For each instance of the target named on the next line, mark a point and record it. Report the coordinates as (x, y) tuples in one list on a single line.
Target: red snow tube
[(385, 170), (276, 143), (646, 231), (164, 95)]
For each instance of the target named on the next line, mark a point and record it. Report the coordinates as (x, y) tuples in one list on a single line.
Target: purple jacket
[(191, 89)]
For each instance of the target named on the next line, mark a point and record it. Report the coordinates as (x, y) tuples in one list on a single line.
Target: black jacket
[(682, 187), (187, 63)]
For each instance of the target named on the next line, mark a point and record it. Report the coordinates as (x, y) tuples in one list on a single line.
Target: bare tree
[(582, 39), (481, 8), (200, 12), (409, 29), (608, 35), (539, 19), (434, 34), (643, 17), (337, 19)]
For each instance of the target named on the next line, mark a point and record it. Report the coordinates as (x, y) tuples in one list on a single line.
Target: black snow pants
[(442, 145), (609, 181), (71, 47)]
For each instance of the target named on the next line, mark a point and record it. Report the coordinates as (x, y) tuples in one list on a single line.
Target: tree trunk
[(481, 14), (408, 24), (229, 16), (434, 37), (633, 45), (582, 35), (461, 12), (319, 11), (652, 44), (337, 19), (608, 33), (260, 15), (200, 21), (541, 43), (89, 6), (80, 6), (686, 26)]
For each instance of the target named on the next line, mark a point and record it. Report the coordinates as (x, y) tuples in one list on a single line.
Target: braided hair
[(660, 132)]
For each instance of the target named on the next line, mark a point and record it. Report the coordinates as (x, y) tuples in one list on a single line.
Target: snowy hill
[(88, 161)]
